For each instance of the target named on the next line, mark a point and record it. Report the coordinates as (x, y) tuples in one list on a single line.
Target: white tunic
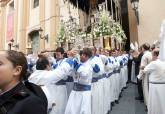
[(71, 74), (108, 85), (117, 77), (97, 98), (125, 62), (121, 77), (146, 59), (80, 101), (46, 86), (104, 102), (156, 73), (60, 91), (112, 79)]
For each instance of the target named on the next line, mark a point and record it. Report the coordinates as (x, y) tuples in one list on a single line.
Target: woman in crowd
[(15, 97)]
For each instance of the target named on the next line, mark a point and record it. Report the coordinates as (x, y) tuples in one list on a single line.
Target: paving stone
[(128, 104)]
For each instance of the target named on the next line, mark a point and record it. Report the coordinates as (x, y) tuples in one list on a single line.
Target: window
[(35, 3)]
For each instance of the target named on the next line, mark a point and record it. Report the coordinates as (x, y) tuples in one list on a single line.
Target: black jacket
[(21, 100), (137, 61)]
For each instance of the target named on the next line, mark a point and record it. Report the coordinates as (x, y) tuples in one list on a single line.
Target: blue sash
[(81, 87), (104, 76), (110, 74), (96, 79), (116, 71), (61, 82), (69, 79)]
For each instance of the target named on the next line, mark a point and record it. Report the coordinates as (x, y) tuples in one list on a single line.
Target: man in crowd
[(80, 98), (137, 59), (146, 59), (156, 72)]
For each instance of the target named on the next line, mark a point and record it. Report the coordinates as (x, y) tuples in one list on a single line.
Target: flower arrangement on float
[(61, 34), (118, 33), (107, 27), (67, 32), (103, 27)]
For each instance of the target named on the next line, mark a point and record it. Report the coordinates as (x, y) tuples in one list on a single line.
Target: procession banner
[(10, 27)]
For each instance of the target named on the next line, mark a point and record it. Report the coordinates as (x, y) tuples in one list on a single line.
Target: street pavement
[(128, 104)]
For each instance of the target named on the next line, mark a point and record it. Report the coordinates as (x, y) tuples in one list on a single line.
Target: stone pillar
[(42, 22), (22, 24), (2, 26), (27, 23), (54, 22)]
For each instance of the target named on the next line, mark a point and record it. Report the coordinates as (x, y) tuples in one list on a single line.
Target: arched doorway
[(35, 41)]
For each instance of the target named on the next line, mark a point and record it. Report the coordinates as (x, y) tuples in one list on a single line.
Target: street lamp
[(135, 6), (14, 44), (43, 37)]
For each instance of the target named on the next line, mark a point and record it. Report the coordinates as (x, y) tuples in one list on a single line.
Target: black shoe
[(112, 104), (111, 109), (120, 96), (116, 101), (138, 98), (108, 112), (146, 109), (142, 101)]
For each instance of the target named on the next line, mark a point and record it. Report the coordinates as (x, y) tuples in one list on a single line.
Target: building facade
[(33, 25), (133, 24), (151, 15), (23, 19)]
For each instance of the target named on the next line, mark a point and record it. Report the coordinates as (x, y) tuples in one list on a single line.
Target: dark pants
[(129, 70), (140, 89)]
